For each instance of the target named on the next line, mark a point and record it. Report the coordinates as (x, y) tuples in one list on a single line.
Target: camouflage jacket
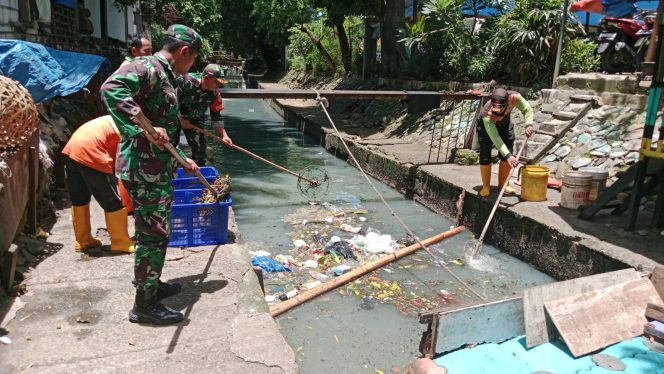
[(146, 84), (194, 101)]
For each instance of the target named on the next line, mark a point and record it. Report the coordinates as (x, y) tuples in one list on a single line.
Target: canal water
[(370, 325)]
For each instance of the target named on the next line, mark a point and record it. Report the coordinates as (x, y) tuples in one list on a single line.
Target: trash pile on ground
[(329, 241), (222, 185)]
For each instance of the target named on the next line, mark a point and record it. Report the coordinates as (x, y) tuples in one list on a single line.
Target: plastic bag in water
[(268, 265)]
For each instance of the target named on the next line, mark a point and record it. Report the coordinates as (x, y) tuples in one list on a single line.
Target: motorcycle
[(623, 42)]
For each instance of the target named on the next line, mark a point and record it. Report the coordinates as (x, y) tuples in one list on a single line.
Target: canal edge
[(557, 254)]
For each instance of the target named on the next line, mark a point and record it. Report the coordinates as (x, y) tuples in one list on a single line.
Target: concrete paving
[(604, 235), (73, 318)]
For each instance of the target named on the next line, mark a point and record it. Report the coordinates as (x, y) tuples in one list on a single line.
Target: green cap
[(187, 35), (215, 71)]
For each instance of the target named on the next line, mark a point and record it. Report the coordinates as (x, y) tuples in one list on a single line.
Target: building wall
[(8, 13), (95, 16), (116, 20)]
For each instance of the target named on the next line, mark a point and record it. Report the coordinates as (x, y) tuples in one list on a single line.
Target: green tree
[(527, 37), (392, 21), (204, 16)]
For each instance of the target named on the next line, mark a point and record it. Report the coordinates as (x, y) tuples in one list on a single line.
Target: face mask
[(498, 109)]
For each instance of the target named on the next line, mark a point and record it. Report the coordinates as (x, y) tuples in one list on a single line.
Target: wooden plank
[(655, 330), (599, 318), (623, 182), (493, 322), (655, 311), (537, 330), (657, 279)]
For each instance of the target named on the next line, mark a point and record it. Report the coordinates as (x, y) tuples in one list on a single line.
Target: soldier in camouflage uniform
[(198, 92), (147, 85)]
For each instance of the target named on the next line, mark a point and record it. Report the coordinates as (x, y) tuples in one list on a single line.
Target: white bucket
[(575, 189), (599, 177)]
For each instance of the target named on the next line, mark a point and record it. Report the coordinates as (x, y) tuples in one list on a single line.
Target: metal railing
[(455, 130)]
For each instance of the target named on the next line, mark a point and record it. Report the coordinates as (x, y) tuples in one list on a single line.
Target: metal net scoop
[(314, 183)]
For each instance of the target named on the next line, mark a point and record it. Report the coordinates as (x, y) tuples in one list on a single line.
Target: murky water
[(367, 325)]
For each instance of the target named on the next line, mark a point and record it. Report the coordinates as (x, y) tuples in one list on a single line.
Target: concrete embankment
[(543, 234), (73, 318)]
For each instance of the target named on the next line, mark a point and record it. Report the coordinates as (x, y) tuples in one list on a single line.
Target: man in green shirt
[(146, 85), (140, 45), (199, 92), (495, 128)]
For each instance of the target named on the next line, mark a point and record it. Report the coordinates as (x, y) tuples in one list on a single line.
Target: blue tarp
[(512, 356), (47, 72), (67, 3)]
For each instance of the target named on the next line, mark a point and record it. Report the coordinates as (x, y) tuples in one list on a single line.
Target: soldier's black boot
[(150, 310), (167, 290)]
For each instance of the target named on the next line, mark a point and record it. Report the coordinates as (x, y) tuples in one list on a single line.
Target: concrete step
[(552, 127), (582, 98), (564, 116), (638, 101), (618, 83), (548, 108)]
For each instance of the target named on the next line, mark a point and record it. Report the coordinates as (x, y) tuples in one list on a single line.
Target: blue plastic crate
[(195, 223), (185, 181)]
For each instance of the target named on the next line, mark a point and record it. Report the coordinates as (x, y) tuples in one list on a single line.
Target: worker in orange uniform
[(90, 166)]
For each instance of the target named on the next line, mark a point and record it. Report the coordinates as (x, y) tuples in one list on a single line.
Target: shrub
[(579, 56)]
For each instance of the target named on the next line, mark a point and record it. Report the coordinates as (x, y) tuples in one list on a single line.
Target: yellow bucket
[(534, 179)]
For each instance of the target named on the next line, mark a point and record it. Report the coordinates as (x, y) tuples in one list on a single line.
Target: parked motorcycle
[(623, 42)]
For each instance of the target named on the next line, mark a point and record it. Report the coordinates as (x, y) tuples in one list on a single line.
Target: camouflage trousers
[(196, 141), (152, 215)]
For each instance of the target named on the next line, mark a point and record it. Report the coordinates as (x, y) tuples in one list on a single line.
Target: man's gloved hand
[(513, 161), (529, 130)]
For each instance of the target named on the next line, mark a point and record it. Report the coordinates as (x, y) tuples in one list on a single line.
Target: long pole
[(358, 272), (495, 206), (561, 38), (257, 157), (147, 126)]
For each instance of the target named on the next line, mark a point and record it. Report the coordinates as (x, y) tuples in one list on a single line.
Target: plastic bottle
[(288, 295), (335, 256)]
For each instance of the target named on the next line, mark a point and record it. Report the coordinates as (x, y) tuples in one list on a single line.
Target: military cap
[(187, 35), (215, 71)]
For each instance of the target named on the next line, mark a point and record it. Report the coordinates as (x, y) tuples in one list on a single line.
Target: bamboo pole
[(358, 272), (147, 126), (257, 157), (495, 206)]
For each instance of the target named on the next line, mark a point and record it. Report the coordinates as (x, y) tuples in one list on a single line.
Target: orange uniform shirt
[(95, 144)]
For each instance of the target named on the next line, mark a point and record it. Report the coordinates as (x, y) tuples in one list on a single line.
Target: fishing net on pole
[(318, 189)]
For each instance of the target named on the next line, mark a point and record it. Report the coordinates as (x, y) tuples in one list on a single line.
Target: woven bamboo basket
[(18, 114)]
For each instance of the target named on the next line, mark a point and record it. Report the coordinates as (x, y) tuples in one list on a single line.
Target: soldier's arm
[(117, 96), (216, 107), (216, 119)]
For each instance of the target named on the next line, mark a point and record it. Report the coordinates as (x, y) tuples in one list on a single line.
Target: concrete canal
[(370, 324)]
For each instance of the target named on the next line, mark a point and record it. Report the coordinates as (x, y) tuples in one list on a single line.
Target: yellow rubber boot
[(80, 216), (116, 223), (485, 171), (504, 170)]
